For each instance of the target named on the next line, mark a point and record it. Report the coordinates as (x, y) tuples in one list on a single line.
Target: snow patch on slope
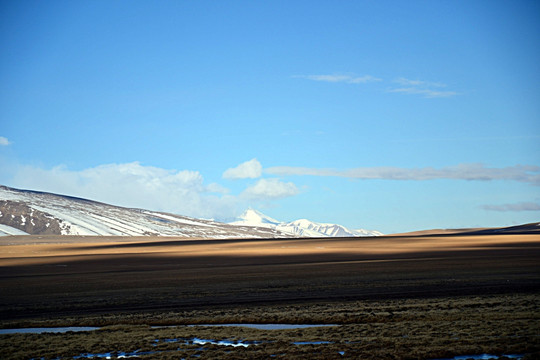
[(8, 230)]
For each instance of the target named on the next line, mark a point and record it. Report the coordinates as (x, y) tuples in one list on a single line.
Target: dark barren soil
[(395, 297)]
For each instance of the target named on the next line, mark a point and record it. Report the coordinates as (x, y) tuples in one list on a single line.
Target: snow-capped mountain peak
[(301, 227), (252, 217)]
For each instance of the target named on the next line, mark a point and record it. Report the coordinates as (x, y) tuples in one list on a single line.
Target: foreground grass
[(383, 329)]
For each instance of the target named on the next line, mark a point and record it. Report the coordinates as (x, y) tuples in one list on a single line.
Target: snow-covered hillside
[(38, 213), (303, 227)]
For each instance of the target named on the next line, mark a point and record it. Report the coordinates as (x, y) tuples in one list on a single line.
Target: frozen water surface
[(220, 342), (199, 341), (272, 326), (47, 330), (116, 355), (484, 357)]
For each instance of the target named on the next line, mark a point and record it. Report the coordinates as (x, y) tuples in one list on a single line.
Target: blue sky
[(387, 115)]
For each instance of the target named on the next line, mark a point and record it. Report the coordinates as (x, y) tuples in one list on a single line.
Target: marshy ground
[(422, 297)]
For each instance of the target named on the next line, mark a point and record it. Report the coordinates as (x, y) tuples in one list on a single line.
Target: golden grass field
[(418, 297)]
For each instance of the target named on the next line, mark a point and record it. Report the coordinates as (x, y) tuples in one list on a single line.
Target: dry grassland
[(412, 297)]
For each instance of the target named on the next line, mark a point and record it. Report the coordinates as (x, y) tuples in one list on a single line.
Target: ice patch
[(199, 341), (115, 355), (220, 342)]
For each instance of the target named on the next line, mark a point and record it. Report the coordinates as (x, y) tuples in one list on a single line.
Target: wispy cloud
[(4, 141), (522, 206), (418, 83), (428, 93), (340, 78), (522, 173), (251, 169), (428, 89)]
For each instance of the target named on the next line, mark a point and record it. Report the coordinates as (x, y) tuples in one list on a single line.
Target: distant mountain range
[(24, 212), (302, 227)]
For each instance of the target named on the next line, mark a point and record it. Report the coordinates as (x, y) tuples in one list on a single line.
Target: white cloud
[(418, 83), (340, 78), (270, 189), (428, 93), (522, 206), (428, 89), (251, 169), (4, 141), (217, 188), (522, 173), (134, 185)]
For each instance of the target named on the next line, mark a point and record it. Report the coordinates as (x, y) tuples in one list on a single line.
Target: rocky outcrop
[(21, 216)]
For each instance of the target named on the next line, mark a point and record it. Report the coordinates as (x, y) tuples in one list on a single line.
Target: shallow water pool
[(47, 330), (272, 326), (484, 357)]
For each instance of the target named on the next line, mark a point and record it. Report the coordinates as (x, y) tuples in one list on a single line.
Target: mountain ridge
[(29, 212), (300, 227)]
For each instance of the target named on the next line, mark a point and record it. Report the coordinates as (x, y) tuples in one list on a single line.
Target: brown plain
[(110, 281)]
